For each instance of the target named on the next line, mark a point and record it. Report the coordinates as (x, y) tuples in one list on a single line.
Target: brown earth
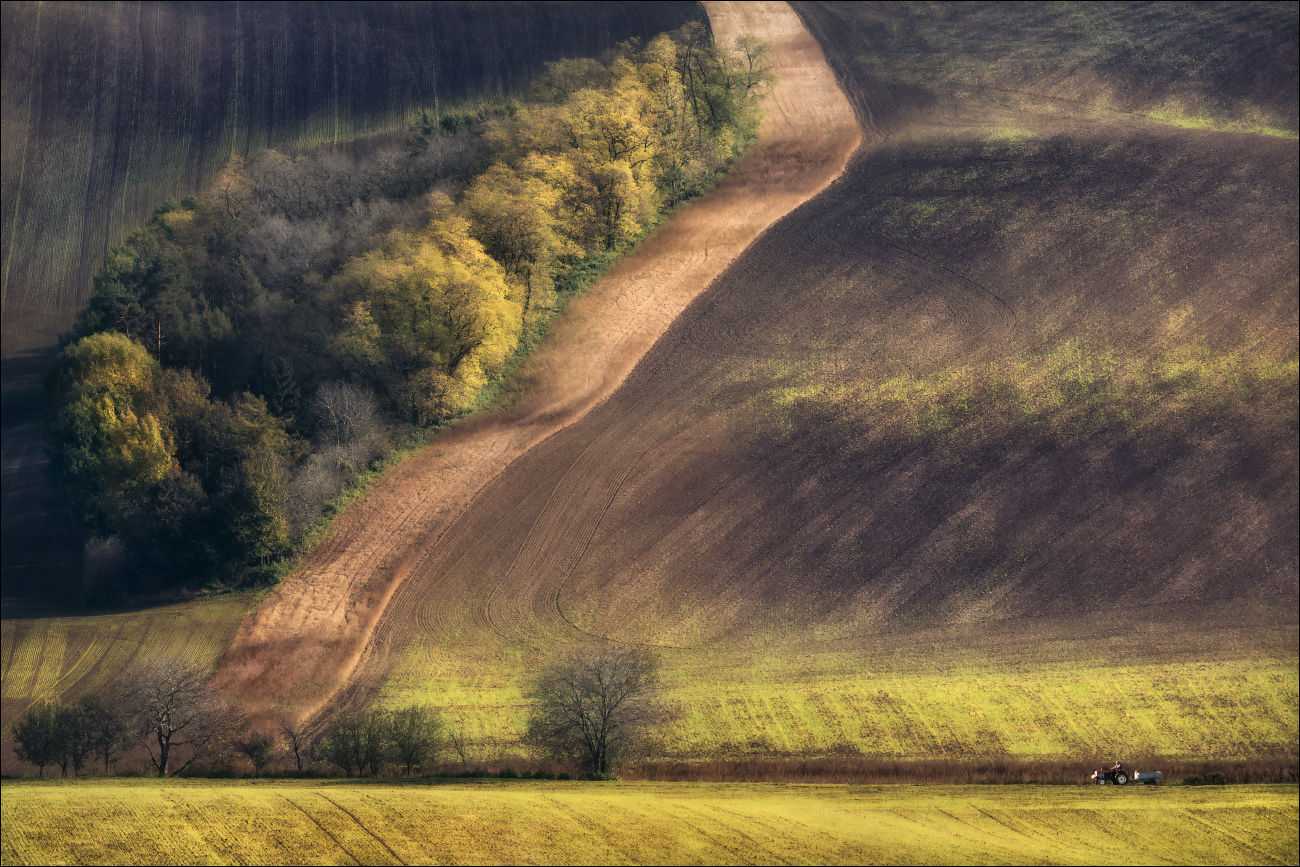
[(303, 643), (686, 513), (648, 491)]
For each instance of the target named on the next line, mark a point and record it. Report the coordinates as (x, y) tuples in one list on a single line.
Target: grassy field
[(142, 822)]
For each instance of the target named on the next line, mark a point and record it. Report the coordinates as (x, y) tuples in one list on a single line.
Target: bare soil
[(304, 642)]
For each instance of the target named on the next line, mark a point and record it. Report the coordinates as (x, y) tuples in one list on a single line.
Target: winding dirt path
[(304, 642)]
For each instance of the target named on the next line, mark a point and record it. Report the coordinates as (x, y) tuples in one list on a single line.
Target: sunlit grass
[(730, 702), (48, 658), (139, 822), (1251, 122), (1069, 391)]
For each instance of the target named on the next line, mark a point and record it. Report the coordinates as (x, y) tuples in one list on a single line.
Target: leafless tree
[(179, 717), (295, 740), (595, 707), (346, 413), (458, 740)]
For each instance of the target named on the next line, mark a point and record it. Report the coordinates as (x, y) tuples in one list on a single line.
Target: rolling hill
[(1022, 382), (981, 442)]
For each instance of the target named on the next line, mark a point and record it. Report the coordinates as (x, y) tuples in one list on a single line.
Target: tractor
[(1118, 775)]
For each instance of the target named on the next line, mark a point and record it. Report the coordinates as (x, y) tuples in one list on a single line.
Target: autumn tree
[(517, 215), (112, 445), (445, 314)]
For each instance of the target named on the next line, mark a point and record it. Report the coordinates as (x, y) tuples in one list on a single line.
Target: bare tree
[(295, 740), (416, 735), (458, 740), (594, 707), (178, 715), (345, 413)]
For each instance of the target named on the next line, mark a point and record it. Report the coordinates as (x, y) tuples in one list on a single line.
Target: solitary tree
[(594, 708), (178, 715), (295, 740)]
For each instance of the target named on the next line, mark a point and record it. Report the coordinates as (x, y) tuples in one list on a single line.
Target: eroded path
[(304, 642)]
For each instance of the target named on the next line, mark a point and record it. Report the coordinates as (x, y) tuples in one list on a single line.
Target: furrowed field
[(141, 822), (61, 657), (1222, 694), (1211, 694)]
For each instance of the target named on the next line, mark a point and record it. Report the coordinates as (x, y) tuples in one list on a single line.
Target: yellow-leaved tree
[(517, 215), (446, 315), (112, 442)]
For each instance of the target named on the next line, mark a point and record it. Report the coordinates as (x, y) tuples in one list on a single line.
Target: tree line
[(252, 350), (590, 712)]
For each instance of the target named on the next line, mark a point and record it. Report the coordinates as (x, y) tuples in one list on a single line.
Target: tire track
[(333, 839), (362, 826), (383, 575)]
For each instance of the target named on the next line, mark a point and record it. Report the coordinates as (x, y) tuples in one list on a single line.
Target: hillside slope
[(304, 640), (112, 109), (1024, 378)]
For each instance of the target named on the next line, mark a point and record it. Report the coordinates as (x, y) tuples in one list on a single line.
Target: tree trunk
[(164, 748)]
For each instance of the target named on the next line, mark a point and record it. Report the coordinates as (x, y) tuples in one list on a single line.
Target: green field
[(609, 823), (46, 658), (1212, 694)]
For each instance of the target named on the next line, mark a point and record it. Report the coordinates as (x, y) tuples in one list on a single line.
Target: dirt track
[(305, 640)]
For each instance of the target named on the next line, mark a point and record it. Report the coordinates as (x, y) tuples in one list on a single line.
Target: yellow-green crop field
[(144, 822), (46, 658), (1215, 695), (918, 698)]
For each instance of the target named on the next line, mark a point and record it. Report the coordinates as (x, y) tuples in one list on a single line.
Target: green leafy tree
[(416, 734), (38, 736)]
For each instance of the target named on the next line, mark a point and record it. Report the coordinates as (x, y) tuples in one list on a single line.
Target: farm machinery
[(1118, 775)]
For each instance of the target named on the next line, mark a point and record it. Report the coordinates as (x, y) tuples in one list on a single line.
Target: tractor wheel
[(1121, 779)]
